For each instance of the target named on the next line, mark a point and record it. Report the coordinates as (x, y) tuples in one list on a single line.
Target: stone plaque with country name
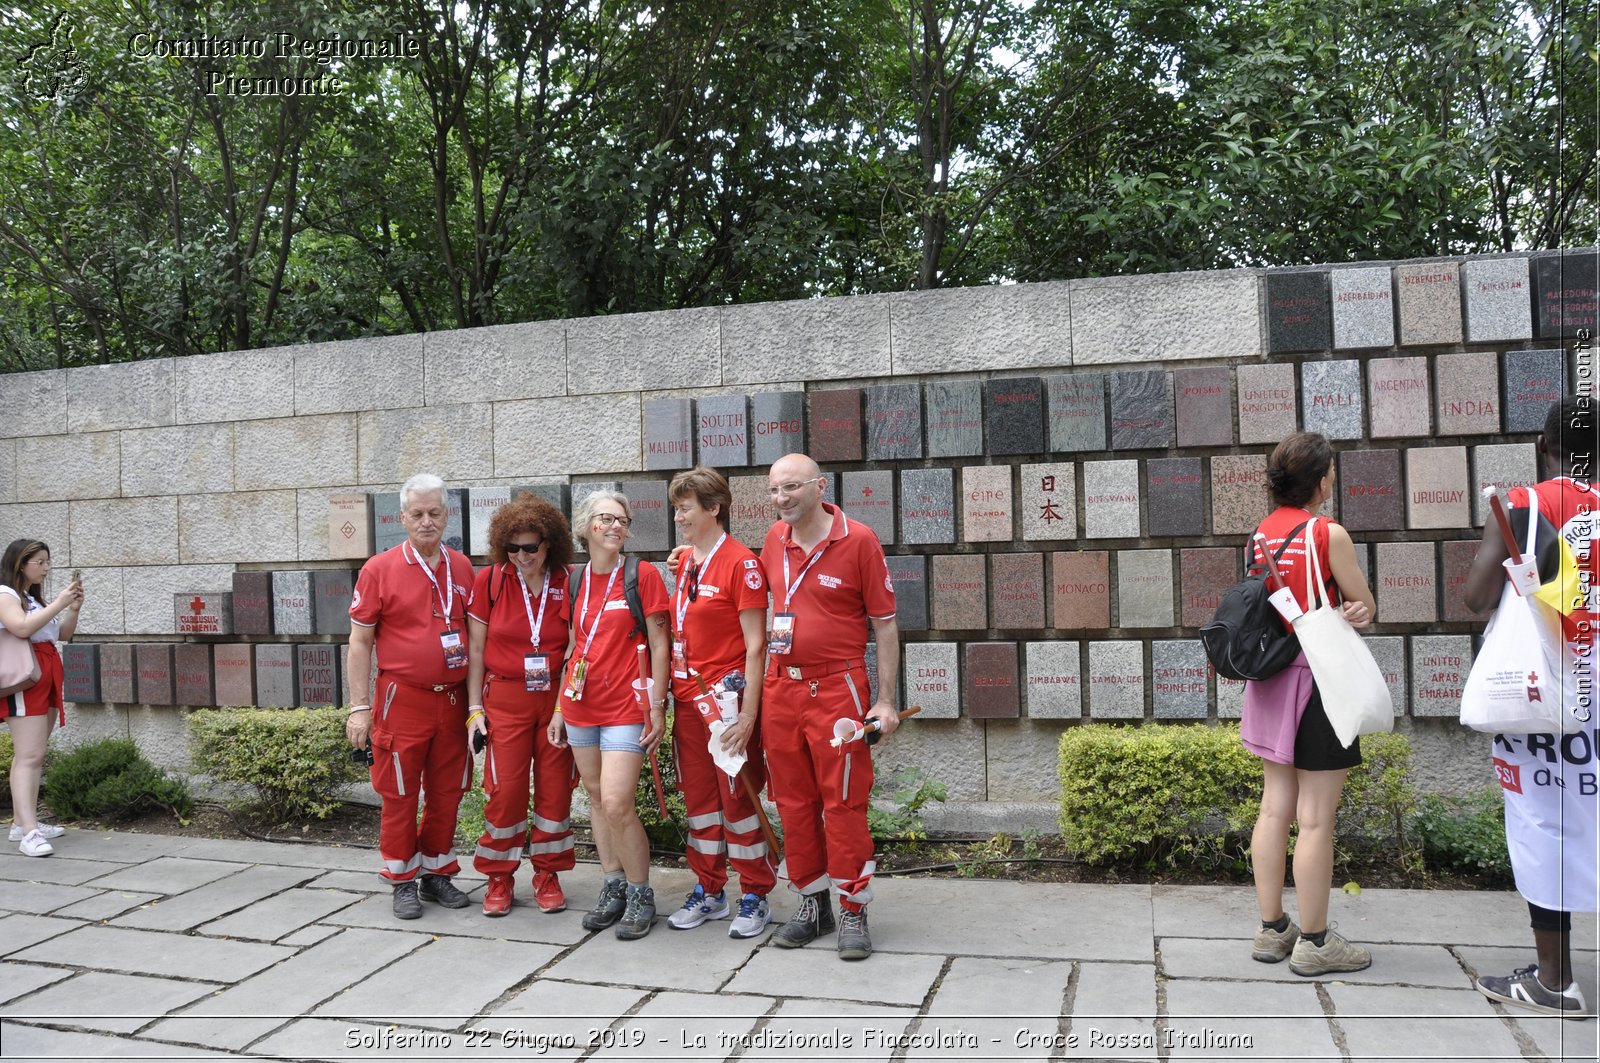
[(1566, 290), (1049, 501), (459, 529), (1436, 487), (1204, 574), (292, 612), (1178, 689), (389, 532), (1439, 666), (235, 674), (752, 512), (958, 592), (835, 424), (668, 439), (1531, 383), (1499, 299), (1363, 307), (203, 613), (909, 573), (1176, 493), (989, 681), (1238, 493), (894, 422), (1502, 465), (1053, 680), (652, 516), (1429, 303), (1015, 408), (1111, 499), (117, 673), (1299, 317), (1330, 398), (1204, 400), (1080, 590), (1016, 590), (1399, 397), (1389, 652), (277, 676), (80, 661), (1370, 491), (1266, 402), (777, 425), (1455, 559), (986, 503), (153, 673), (350, 525), (932, 679), (318, 665), (1406, 587), (1144, 588), (1116, 680), (482, 502), (955, 418), (927, 506), (1077, 411), (1469, 393), (193, 679), (1141, 411), (1230, 695), (869, 498), (722, 431), (330, 595)]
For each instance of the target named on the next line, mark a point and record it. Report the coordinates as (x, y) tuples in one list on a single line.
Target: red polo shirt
[(394, 595), (713, 638), (848, 584), (613, 656), (497, 600)]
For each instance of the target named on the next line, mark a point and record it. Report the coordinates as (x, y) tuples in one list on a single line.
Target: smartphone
[(77, 575)]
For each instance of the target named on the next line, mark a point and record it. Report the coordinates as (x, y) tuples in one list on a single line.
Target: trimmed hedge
[(295, 760), (110, 778)]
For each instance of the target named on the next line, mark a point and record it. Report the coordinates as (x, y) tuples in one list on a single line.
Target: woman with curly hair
[(517, 624)]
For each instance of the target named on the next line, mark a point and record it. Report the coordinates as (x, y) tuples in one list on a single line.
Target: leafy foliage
[(1465, 834), (110, 778), (295, 760), (897, 798)]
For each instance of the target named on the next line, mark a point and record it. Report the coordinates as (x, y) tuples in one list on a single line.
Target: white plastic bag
[(1354, 694)]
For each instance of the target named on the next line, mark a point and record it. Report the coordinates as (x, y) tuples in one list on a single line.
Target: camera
[(362, 756)]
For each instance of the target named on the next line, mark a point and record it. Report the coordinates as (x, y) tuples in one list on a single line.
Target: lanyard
[(447, 597), (587, 584), (535, 625), (682, 594), (790, 588)]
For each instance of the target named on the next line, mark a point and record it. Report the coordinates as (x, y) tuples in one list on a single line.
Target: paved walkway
[(153, 947)]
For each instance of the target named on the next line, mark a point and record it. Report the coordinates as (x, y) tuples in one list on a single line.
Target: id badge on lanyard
[(536, 671), (780, 639), (680, 660), (455, 651), (535, 665)]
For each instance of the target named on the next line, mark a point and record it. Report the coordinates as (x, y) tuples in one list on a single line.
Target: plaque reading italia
[(252, 603), (909, 574), (986, 503), (989, 681), (1077, 405), (192, 674), (319, 674), (235, 674), (835, 424), (927, 506), (777, 425), (291, 603), (894, 422), (1204, 575), (1141, 411), (330, 595), (350, 525), (116, 673), (1176, 496), (153, 673), (277, 676), (869, 498), (955, 418), (652, 516), (1299, 315), (1566, 290), (722, 431), (203, 613), (80, 661), (1015, 408)]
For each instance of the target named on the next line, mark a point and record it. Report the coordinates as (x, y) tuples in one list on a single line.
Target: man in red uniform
[(828, 578), (410, 601)]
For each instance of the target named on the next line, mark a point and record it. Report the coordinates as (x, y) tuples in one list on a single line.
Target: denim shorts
[(611, 738)]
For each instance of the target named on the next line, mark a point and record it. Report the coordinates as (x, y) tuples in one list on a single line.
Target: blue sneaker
[(754, 915), (697, 908)]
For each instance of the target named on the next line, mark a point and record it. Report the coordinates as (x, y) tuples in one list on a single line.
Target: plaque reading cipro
[(203, 613)]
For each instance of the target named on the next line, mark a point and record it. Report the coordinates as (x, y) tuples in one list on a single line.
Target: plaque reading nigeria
[(722, 431), (203, 613), (777, 425), (350, 525)]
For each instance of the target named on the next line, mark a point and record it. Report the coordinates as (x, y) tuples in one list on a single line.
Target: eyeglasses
[(608, 519), (518, 548), (791, 487)]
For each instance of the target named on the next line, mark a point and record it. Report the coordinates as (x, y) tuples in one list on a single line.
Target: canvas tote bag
[(1354, 694)]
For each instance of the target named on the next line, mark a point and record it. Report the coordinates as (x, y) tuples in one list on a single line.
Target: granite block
[(1330, 398), (241, 526), (986, 503), (1014, 410), (1499, 299), (1502, 465), (182, 460), (1407, 588), (777, 425), (252, 603), (380, 372), (989, 681), (1077, 411), (1230, 693), (804, 339), (557, 494), (1429, 303), (982, 327), (318, 667), (1455, 560), (909, 574), (1204, 401), (955, 418), (235, 386), (1370, 491), (932, 679), (958, 592), (350, 526), (1469, 393), (482, 504), (1204, 574), (1238, 493), (193, 678), (234, 674), (1204, 315), (1053, 680), (292, 612), (524, 360), (1049, 501), (869, 498), (1176, 496), (327, 450), (1141, 411), (835, 424), (103, 398), (652, 516), (1144, 588), (1266, 402), (894, 422), (203, 613), (1111, 499), (668, 439), (1016, 587), (1439, 666), (147, 532), (927, 506), (752, 512), (1389, 652), (1178, 689), (637, 351), (1080, 588), (81, 466), (1436, 487), (722, 431), (1363, 307), (117, 673), (1299, 315), (1531, 383), (1398, 396), (330, 600), (1116, 680), (535, 437), (277, 676), (1566, 285), (153, 673), (387, 531), (80, 661)]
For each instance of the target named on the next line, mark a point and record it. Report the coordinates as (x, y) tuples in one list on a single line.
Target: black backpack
[(1246, 638), (630, 590)]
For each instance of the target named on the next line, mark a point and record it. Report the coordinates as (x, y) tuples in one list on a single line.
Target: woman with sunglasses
[(601, 715), (517, 626)]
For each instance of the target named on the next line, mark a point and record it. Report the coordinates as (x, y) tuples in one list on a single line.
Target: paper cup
[(1524, 577), (642, 691), (706, 706), (845, 730)]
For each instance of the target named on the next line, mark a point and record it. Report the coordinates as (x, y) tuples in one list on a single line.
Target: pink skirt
[(1272, 711)]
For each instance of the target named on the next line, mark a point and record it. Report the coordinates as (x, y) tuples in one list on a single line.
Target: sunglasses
[(518, 548), (694, 583)]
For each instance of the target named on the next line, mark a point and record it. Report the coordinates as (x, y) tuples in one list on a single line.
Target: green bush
[(294, 759), (110, 778), (5, 765), (897, 798), (1465, 834), (673, 831), (1379, 803)]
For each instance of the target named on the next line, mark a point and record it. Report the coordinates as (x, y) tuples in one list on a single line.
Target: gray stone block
[(634, 352), (1014, 410), (1565, 288), (1398, 390), (1053, 680), (805, 339), (668, 439), (482, 502), (1429, 303), (990, 327), (1330, 398), (777, 425), (652, 517), (196, 613), (1266, 402), (1145, 586), (909, 574), (147, 593), (955, 418), (193, 679), (292, 611), (277, 676), (102, 605), (1170, 317), (1499, 296), (1049, 501), (354, 375), (1389, 651), (300, 452), (240, 526), (42, 393), (330, 600), (722, 431), (1436, 487), (117, 674), (120, 395), (532, 437), (1116, 680), (1439, 666), (1363, 307), (1178, 688), (190, 459), (234, 386), (387, 530), (152, 953), (1075, 406), (8, 471), (81, 663), (523, 361), (1111, 499), (869, 498), (1504, 465), (894, 422), (452, 442), (933, 679), (927, 506), (318, 678), (1531, 382), (147, 531), (59, 467), (1176, 498), (1299, 317), (49, 521), (752, 512), (1468, 393)]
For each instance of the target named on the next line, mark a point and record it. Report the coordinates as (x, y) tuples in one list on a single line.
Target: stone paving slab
[(215, 899), (64, 870), (19, 978), (308, 935), (110, 948), (807, 1029), (462, 978), (685, 1026), (1479, 960), (1113, 1011), (816, 970), (136, 848), (1405, 1021), (568, 1018), (111, 1003), (994, 1008), (270, 918), (1280, 1022), (528, 924), (169, 875), (902, 925), (19, 932), (107, 904), (39, 898), (1422, 965), (341, 1040), (25, 1042), (356, 881), (698, 960)]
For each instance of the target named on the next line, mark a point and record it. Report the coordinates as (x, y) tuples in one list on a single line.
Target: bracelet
[(556, 711), (474, 716), (358, 708)]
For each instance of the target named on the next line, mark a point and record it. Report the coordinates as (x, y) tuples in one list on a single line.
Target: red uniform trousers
[(518, 720), (821, 791), (419, 743), (723, 826)]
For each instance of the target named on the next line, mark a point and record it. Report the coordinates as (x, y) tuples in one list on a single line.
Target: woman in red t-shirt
[(517, 622), (600, 715), (1284, 724)]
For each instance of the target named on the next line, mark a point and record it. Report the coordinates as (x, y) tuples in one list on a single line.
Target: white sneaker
[(34, 844), (754, 915), (46, 830), (697, 908)]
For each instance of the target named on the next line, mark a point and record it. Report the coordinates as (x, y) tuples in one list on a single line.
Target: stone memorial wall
[(1062, 475)]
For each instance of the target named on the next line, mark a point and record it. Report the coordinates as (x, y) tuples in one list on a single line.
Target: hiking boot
[(639, 915), (754, 915), (407, 905), (697, 908), (547, 891), (1274, 946), (442, 891), (855, 943), (810, 921), (608, 909), (34, 844), (497, 898), (1523, 989), (1334, 957)]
